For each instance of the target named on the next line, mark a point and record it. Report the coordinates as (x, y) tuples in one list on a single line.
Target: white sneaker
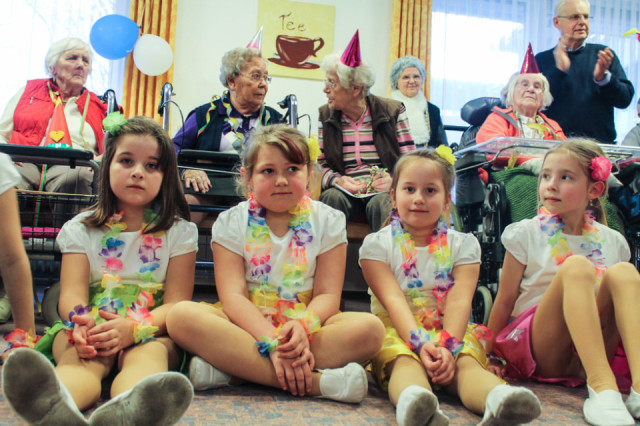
[(606, 408), (160, 399), (419, 406), (633, 403), (32, 388), (346, 384), (510, 405), (205, 376)]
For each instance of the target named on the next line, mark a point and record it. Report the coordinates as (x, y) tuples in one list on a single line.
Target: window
[(29, 27), (477, 44)]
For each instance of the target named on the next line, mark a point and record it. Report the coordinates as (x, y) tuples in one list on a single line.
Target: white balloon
[(152, 55)]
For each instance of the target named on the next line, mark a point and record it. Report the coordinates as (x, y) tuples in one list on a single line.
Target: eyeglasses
[(576, 17), (258, 77), (330, 84)]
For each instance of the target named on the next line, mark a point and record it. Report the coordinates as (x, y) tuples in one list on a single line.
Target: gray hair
[(560, 4), (507, 91), (363, 75), (234, 60), (401, 64), (59, 47)]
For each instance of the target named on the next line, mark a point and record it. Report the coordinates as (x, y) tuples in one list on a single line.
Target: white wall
[(206, 29)]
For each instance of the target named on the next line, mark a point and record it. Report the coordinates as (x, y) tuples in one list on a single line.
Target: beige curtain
[(142, 93), (411, 33)]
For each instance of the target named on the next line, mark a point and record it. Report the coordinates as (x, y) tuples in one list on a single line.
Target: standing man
[(587, 80)]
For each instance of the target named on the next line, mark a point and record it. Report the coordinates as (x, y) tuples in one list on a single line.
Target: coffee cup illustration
[(294, 51)]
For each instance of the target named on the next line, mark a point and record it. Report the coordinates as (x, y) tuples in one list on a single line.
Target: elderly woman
[(525, 96), (224, 124), (361, 136), (406, 78), (32, 118)]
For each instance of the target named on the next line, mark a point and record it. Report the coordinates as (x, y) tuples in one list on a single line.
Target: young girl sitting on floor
[(422, 278), (567, 288), (134, 252), (279, 268)]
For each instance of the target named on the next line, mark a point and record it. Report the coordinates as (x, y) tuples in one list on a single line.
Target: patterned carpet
[(252, 404)]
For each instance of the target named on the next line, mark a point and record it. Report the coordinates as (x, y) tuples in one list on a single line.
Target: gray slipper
[(32, 388), (160, 399)]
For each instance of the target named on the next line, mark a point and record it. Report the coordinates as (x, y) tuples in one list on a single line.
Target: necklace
[(443, 261), (259, 245), (109, 299), (552, 225), (235, 123), (281, 303)]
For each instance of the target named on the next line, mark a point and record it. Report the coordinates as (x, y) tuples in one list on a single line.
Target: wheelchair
[(42, 214), (510, 195)]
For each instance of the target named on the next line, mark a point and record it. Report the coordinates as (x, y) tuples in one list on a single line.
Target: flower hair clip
[(314, 148), (446, 154), (113, 121), (600, 168)]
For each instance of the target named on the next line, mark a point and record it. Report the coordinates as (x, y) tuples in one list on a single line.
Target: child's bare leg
[(568, 314), (206, 331), (405, 371), (138, 362), (347, 337), (472, 383), (82, 378), (410, 392), (483, 392), (619, 303)]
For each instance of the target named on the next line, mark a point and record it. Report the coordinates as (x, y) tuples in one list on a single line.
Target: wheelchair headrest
[(476, 111)]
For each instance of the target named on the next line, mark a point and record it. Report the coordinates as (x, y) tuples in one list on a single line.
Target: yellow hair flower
[(446, 153), (314, 148)]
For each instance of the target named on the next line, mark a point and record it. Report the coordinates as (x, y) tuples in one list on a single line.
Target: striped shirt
[(359, 149)]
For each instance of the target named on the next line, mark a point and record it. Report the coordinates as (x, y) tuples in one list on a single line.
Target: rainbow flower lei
[(286, 306), (552, 225), (112, 250)]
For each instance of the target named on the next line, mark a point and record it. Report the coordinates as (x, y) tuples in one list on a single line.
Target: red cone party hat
[(351, 56), (529, 65), (256, 41)]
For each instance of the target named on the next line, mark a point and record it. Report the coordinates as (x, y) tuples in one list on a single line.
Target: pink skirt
[(513, 344)]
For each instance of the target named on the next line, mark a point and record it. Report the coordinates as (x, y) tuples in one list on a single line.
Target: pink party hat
[(256, 41), (351, 56), (529, 66)]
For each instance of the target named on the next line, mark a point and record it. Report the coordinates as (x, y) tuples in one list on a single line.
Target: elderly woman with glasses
[(525, 96), (407, 77), (225, 123), (361, 136)]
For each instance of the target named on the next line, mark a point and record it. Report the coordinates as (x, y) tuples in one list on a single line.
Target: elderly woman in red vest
[(57, 111), (525, 96)]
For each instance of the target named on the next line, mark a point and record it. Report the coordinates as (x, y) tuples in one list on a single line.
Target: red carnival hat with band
[(529, 65), (351, 56)]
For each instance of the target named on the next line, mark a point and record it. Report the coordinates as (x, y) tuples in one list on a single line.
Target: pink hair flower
[(601, 168)]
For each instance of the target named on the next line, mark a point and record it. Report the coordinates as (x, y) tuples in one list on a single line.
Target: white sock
[(205, 376), (160, 399), (346, 384), (510, 405), (419, 406), (606, 408), (32, 388), (633, 403)]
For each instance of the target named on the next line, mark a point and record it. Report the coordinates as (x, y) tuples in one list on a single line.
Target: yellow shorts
[(393, 347)]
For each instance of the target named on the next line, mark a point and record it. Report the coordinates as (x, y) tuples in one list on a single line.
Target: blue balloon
[(113, 36)]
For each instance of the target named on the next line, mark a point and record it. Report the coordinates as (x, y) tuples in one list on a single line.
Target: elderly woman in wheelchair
[(525, 96)]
